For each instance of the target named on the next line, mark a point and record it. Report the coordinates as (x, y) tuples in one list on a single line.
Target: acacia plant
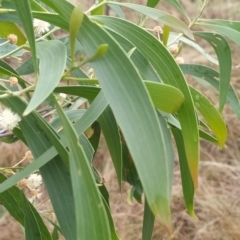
[(110, 76)]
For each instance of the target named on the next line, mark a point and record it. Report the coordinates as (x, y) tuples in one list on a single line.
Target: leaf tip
[(192, 213), (25, 113)]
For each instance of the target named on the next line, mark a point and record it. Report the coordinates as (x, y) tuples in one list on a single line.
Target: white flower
[(63, 95), (40, 26), (8, 120), (34, 181)]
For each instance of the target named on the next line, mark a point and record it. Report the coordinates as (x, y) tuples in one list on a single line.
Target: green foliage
[(114, 77)]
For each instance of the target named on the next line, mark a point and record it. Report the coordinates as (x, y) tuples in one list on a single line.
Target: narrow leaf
[(26, 68), (170, 73), (59, 188), (178, 6), (223, 52), (55, 140), (11, 200), (35, 6), (93, 112), (205, 74), (111, 133), (211, 115), (207, 136), (33, 223), (143, 66), (52, 55), (187, 183), (229, 29), (25, 16), (148, 222), (88, 92), (86, 196), (9, 139), (117, 10), (55, 233), (197, 47), (166, 32), (120, 99), (152, 3), (165, 97), (99, 10), (159, 204), (73, 115), (114, 235), (159, 16)]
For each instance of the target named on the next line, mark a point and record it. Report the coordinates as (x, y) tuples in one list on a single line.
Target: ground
[(217, 199)]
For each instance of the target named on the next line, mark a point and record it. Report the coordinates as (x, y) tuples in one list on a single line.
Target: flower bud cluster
[(33, 183), (13, 81), (12, 38), (174, 50)]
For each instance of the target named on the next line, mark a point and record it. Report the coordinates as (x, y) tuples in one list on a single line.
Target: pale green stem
[(12, 52), (200, 13), (175, 39), (6, 168), (85, 80), (47, 34), (1, 91), (192, 23), (17, 58), (74, 67), (44, 109), (4, 43), (54, 110), (15, 165), (26, 45), (18, 93), (45, 211), (96, 6), (4, 80), (3, 10)]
